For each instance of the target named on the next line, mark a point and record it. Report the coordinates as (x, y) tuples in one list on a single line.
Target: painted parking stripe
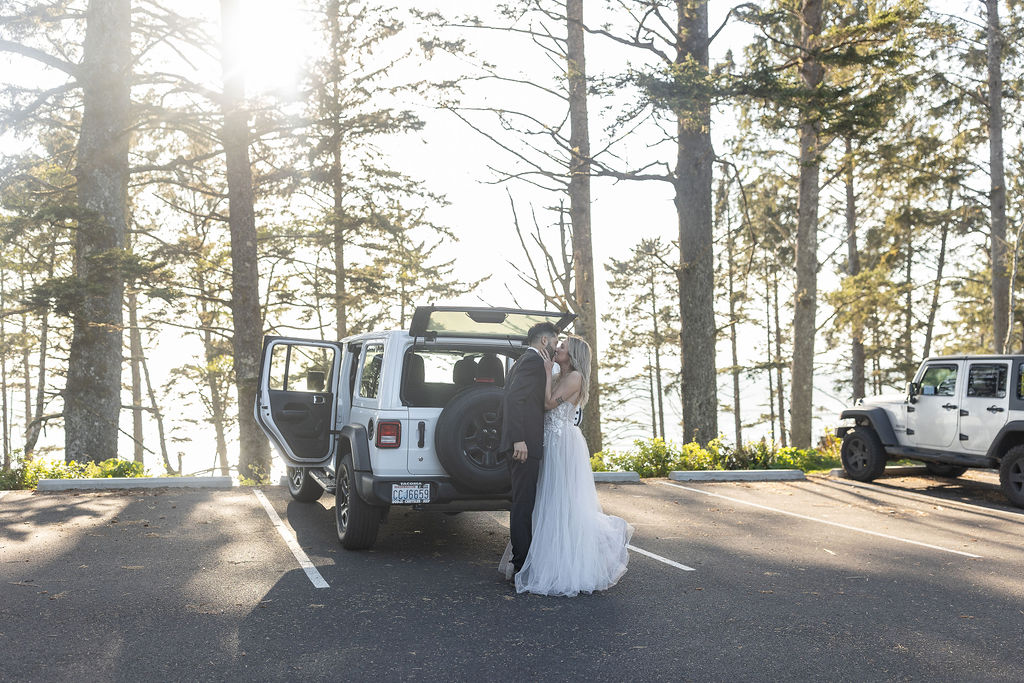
[(291, 542), (659, 558), (647, 553), (821, 521), (925, 498)]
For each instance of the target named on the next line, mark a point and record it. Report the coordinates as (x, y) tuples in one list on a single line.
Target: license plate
[(410, 493)]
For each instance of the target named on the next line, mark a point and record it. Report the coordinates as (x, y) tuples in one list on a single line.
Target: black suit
[(522, 411)]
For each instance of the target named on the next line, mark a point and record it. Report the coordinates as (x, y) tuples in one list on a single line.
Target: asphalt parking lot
[(909, 578)]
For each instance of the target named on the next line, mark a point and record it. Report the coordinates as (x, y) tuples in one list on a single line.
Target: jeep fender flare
[(877, 418), (1012, 434), (354, 441)]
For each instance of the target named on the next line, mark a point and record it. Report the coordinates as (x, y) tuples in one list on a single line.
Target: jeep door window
[(369, 378), (300, 368), (987, 380), (939, 380)]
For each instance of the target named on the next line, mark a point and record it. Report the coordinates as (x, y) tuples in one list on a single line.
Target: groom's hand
[(519, 451)]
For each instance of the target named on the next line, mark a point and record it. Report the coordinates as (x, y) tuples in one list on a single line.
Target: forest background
[(759, 211)]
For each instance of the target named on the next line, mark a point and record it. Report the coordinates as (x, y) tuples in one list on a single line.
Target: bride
[(576, 548)]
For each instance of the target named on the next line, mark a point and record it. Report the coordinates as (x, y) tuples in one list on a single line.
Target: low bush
[(25, 474), (657, 457)]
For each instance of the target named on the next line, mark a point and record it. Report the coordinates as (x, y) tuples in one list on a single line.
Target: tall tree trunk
[(35, 426), (997, 196), (937, 288), (92, 395), (656, 331), (5, 426), (335, 174), (696, 258), (579, 211), (778, 363), (852, 270), (135, 349), (26, 354), (650, 387), (155, 409), (908, 305), (806, 297), (768, 354), (247, 338), (730, 243)]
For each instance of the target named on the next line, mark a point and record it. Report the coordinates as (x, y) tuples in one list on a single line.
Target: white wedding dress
[(576, 548)]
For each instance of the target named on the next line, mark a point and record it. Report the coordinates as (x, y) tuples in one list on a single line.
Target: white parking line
[(934, 500), (821, 521), (659, 558), (293, 545)]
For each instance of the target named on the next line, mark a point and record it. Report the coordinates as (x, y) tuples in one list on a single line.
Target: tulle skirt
[(576, 548)]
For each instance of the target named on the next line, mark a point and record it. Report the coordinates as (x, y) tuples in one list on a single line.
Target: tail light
[(389, 434)]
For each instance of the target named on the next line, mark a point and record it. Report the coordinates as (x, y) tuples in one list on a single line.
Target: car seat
[(490, 370), (464, 372)]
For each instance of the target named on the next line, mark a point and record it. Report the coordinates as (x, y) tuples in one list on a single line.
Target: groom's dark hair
[(540, 330)]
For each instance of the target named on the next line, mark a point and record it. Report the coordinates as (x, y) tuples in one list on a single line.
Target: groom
[(522, 434)]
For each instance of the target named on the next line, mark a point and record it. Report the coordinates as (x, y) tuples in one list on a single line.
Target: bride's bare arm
[(567, 389)]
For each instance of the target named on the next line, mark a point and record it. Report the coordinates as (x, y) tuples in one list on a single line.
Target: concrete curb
[(616, 477), (135, 483), (737, 475), (890, 471)]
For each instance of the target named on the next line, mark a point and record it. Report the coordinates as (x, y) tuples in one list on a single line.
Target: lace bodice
[(557, 419)]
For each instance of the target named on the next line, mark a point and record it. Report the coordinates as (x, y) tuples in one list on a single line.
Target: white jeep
[(398, 417), (959, 412)]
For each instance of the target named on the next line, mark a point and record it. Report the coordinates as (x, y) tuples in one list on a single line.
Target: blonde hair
[(579, 359)]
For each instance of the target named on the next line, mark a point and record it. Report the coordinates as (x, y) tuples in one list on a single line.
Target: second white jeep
[(959, 412)]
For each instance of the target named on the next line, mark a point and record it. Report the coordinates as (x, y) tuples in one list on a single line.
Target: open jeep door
[(296, 404), (432, 322)]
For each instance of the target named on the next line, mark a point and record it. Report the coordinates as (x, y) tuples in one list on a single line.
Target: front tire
[(357, 521), (862, 454), (302, 486), (941, 470), (1011, 475)]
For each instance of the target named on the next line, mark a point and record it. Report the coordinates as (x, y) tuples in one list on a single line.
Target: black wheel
[(467, 436), (862, 454), (942, 470), (302, 486), (357, 520), (1011, 475)]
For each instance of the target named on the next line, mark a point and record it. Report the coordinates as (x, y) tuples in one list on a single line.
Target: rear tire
[(1011, 475), (357, 521), (302, 486), (942, 470), (862, 454)]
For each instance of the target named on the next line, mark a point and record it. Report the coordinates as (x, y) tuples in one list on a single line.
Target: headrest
[(464, 371), (414, 372), (490, 370)]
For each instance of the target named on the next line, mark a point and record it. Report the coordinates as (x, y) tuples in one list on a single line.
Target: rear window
[(431, 377), (369, 379), (987, 380)]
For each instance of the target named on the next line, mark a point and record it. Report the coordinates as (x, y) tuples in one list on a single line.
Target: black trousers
[(524, 494)]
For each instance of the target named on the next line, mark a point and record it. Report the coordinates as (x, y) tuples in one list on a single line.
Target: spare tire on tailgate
[(466, 438)]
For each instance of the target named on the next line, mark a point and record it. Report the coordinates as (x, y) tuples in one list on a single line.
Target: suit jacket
[(522, 405)]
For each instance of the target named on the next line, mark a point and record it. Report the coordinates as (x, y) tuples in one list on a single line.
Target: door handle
[(994, 409), (318, 400), (422, 427), (949, 406)]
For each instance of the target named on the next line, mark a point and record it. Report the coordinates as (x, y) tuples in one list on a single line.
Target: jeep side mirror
[(315, 380), (913, 389)]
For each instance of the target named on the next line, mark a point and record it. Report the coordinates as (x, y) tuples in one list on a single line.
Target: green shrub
[(26, 474), (656, 457)]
